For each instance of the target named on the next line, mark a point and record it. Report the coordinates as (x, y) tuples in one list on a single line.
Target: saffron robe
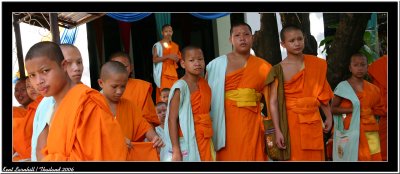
[(134, 127), (83, 129), (201, 102), (304, 93), (371, 105), (244, 139), (378, 71), (19, 119), (139, 93), (187, 141), (168, 74), (23, 132)]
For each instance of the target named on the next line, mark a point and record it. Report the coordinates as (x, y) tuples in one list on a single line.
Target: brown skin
[(164, 96), (74, 62), (31, 90), (167, 33), (358, 68), (21, 93), (291, 65), (242, 41), (161, 112)]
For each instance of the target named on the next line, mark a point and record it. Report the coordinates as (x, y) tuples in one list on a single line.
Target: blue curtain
[(69, 36), (162, 19), (128, 17), (209, 16)]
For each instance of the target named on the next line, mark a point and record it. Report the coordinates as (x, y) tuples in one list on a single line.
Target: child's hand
[(174, 57), (157, 142), (128, 143), (176, 156)]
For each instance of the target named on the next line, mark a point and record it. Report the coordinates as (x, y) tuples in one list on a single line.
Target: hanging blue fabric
[(209, 16), (69, 36), (128, 17)]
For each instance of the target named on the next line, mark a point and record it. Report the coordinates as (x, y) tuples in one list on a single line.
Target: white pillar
[(221, 27)]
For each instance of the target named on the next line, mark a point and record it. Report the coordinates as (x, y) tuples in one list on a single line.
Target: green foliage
[(366, 49)]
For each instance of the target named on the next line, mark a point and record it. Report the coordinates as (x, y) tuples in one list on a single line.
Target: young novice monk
[(113, 80), (237, 80), (360, 101), (378, 73), (74, 61), (166, 54), (74, 69), (188, 128), (161, 109), (22, 133), (137, 91), (164, 95), (298, 87), (82, 127)]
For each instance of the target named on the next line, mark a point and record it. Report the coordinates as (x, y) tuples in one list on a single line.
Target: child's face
[(30, 90), (294, 42), (46, 75), (75, 65), (193, 62), (161, 112), (167, 32), (164, 96), (241, 38), (21, 94), (358, 66), (114, 86)]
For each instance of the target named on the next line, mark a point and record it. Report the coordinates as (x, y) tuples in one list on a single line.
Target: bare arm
[(336, 109), (328, 121), (173, 122), (157, 59), (154, 138), (273, 102), (42, 142)]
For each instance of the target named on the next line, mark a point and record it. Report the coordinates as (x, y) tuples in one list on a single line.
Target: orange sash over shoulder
[(201, 102), (139, 93)]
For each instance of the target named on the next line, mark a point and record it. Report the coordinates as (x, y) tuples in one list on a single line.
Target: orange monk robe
[(134, 127), (83, 129), (378, 71), (370, 105), (201, 102), (18, 124), (23, 130), (168, 75), (139, 93), (304, 93), (244, 136)]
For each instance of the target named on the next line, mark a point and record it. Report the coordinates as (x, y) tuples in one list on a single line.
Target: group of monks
[(212, 113)]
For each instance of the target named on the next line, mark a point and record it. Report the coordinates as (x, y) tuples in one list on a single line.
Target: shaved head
[(47, 49), (110, 68)]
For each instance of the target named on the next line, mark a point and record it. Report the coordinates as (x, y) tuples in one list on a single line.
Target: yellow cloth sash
[(373, 142), (243, 96)]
